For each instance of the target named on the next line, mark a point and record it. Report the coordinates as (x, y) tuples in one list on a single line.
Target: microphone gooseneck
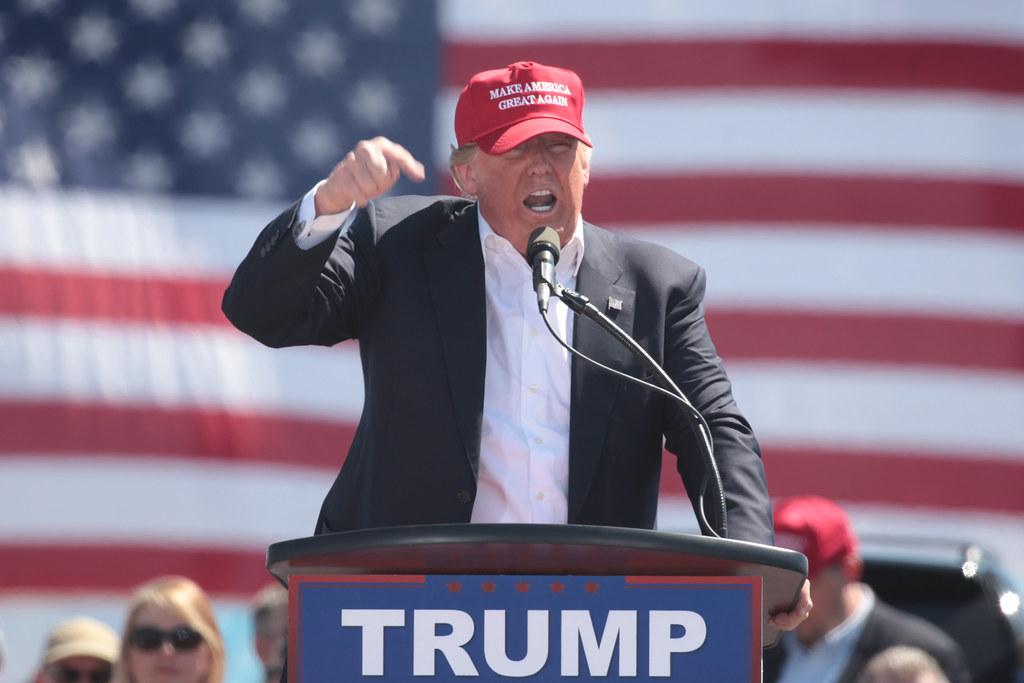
[(542, 253), (580, 305)]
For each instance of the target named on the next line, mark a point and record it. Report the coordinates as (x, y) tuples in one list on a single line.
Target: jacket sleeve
[(693, 363), (282, 295)]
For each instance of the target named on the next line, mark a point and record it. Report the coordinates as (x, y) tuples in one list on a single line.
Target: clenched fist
[(369, 170)]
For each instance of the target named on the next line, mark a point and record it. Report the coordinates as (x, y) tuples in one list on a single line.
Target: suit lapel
[(455, 273), (593, 389)]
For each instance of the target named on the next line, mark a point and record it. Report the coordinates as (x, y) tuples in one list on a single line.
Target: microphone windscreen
[(543, 238)]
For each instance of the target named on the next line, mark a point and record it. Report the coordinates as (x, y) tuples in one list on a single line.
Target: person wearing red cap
[(472, 411), (848, 624)]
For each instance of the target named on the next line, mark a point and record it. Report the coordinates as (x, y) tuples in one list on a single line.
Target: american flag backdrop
[(850, 174)]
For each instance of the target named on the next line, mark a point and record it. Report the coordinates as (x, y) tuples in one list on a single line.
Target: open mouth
[(540, 201)]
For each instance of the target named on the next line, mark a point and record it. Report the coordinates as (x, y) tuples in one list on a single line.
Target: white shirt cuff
[(310, 229)]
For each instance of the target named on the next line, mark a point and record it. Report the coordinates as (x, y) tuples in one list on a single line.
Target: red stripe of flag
[(894, 338), (887, 477), (118, 568), (205, 433), (908, 202), (905, 479), (661, 64), (111, 297)]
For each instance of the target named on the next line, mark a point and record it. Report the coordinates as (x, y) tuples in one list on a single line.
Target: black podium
[(540, 549)]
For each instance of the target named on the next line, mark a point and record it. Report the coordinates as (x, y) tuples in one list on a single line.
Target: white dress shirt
[(524, 450)]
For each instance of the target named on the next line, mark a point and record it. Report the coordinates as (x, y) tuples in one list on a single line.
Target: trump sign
[(498, 627)]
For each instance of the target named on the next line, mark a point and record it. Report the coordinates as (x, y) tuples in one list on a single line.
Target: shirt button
[(540, 495), (534, 388), (465, 497), (538, 440), (533, 332)]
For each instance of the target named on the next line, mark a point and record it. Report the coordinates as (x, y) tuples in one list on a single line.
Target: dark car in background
[(960, 587)]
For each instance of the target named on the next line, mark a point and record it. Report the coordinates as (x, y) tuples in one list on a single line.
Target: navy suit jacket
[(407, 280)]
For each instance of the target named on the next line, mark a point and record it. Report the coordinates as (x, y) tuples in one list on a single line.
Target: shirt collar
[(844, 635), (570, 255), (850, 628)]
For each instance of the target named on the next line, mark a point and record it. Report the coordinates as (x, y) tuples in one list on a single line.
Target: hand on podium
[(787, 621)]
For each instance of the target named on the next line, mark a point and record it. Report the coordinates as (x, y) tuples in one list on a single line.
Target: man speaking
[(472, 410)]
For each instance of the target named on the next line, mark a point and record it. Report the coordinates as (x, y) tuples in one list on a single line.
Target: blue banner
[(491, 628)]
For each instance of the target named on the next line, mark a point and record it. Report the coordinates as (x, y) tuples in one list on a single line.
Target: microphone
[(542, 253)]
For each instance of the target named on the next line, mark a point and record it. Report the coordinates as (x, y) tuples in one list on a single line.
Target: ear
[(465, 178), (853, 568)]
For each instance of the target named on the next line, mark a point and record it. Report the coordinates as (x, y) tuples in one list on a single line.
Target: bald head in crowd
[(270, 628), (903, 664)]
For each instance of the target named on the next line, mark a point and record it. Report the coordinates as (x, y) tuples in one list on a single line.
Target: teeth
[(540, 201)]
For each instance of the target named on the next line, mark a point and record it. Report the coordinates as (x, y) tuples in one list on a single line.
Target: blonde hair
[(184, 596)]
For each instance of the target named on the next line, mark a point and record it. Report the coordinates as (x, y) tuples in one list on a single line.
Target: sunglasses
[(149, 638), (67, 674)]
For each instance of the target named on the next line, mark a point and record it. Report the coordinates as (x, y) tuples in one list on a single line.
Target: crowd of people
[(170, 635)]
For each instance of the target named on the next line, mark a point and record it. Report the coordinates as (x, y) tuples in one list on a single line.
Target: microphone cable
[(579, 303)]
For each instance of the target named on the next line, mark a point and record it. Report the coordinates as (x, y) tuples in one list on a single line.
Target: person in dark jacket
[(472, 411), (848, 624)]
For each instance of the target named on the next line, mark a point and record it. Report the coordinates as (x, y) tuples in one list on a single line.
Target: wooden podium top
[(544, 549)]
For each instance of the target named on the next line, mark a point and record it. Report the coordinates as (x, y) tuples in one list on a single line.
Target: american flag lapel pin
[(614, 304)]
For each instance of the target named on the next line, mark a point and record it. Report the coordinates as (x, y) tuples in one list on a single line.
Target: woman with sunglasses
[(171, 635)]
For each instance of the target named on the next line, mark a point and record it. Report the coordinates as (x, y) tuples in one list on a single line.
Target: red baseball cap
[(816, 527), (503, 108)]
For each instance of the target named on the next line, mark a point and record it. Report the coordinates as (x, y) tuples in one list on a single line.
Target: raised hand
[(369, 170)]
